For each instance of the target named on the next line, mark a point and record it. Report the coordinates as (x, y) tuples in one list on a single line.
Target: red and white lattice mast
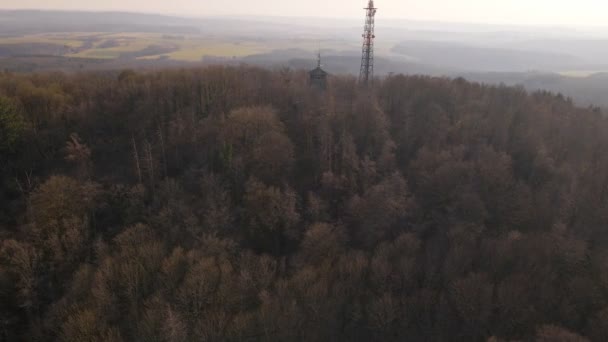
[(366, 75)]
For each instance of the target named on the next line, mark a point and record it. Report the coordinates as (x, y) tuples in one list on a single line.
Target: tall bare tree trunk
[(163, 150), (136, 159), (150, 161)]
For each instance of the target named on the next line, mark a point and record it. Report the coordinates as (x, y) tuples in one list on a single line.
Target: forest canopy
[(239, 204)]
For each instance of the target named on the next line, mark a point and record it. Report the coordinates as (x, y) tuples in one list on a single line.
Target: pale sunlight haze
[(528, 12)]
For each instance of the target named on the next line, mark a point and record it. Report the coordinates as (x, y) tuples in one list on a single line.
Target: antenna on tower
[(319, 56), (367, 59)]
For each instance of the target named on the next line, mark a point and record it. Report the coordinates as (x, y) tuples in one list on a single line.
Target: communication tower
[(366, 74)]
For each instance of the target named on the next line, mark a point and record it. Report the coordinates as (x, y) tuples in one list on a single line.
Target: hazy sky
[(543, 12)]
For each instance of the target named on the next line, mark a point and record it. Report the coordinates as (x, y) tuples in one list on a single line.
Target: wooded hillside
[(238, 204)]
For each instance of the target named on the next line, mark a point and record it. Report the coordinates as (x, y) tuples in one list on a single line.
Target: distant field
[(195, 49), (147, 46), (581, 73), (51, 39)]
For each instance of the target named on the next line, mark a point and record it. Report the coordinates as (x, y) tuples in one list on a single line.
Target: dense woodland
[(239, 204)]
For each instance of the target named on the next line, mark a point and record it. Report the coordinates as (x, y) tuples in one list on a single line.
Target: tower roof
[(318, 72)]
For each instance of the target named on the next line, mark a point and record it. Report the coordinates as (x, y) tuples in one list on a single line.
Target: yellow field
[(50, 39), (102, 45), (112, 52), (194, 50), (580, 73), (187, 48)]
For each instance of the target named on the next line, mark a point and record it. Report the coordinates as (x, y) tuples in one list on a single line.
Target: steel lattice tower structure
[(367, 59)]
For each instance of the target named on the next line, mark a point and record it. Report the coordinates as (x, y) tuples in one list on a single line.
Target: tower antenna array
[(367, 59)]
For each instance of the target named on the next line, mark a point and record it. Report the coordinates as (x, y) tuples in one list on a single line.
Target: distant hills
[(21, 22), (537, 58), (461, 56)]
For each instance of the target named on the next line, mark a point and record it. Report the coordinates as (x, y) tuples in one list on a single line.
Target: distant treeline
[(239, 204)]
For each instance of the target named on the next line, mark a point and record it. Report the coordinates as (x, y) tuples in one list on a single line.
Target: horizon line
[(260, 16)]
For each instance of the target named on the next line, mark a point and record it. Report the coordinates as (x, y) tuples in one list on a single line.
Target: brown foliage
[(235, 203)]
